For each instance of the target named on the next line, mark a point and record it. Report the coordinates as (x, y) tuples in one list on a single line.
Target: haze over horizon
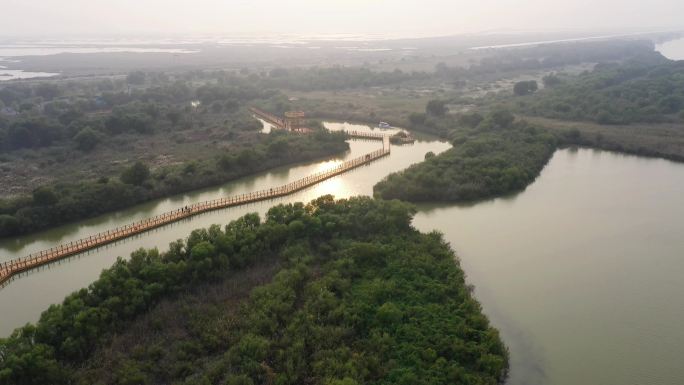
[(400, 18)]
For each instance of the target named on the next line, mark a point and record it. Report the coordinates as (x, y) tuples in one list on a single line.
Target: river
[(673, 49), (7, 74), (25, 298), (581, 272)]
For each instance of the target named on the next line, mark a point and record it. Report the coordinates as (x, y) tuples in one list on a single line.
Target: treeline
[(492, 155), (362, 298), (87, 113), (550, 56), (636, 91), (500, 61), (335, 78), (62, 203), (546, 56)]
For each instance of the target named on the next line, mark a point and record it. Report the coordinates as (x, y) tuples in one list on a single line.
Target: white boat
[(384, 125)]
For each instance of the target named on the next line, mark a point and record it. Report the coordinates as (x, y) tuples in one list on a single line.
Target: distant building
[(294, 120)]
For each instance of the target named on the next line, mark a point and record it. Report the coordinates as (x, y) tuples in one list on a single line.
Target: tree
[(190, 167), (352, 308), (278, 72), (417, 119), (216, 107), (231, 105), (47, 91), (70, 115), (136, 78), (32, 132), (436, 108), (122, 120), (389, 313), (226, 162), (86, 139), (525, 87), (551, 80), (44, 196), (278, 147), (9, 225), (606, 117), (441, 69), (246, 156), (671, 104), (470, 120), (174, 117), (501, 118), (19, 136), (137, 174)]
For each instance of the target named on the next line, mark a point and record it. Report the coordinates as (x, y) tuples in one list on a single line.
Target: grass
[(657, 140), (367, 105), (394, 104), (24, 170)]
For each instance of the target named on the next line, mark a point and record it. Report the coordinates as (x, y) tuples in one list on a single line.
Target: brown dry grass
[(664, 140)]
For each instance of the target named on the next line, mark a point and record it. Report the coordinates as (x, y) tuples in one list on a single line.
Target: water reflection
[(51, 285), (267, 126), (673, 49), (6, 74), (580, 272)]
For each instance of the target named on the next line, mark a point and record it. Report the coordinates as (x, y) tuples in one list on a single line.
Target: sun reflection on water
[(327, 166)]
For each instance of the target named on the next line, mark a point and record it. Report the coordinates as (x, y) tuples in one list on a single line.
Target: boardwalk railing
[(16, 266), (365, 135), (279, 123), (270, 118), (379, 136)]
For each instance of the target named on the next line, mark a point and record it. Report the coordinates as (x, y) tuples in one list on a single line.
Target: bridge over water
[(12, 268), (282, 124)]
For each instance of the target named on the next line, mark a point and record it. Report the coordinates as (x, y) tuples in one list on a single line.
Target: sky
[(404, 18)]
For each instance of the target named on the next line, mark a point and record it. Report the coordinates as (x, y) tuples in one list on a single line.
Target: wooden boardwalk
[(16, 266), (365, 135), (276, 121), (279, 123)]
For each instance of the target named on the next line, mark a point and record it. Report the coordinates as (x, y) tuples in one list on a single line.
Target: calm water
[(7, 74), (582, 272), (15, 50), (25, 298), (567, 40), (12, 50), (673, 49)]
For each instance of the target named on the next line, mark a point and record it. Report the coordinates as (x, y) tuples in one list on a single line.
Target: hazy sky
[(391, 17)]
